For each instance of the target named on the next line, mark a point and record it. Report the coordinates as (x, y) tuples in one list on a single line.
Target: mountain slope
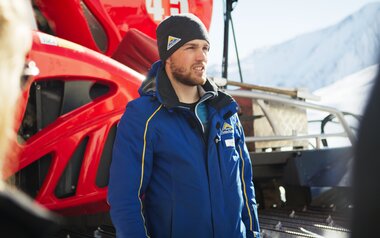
[(316, 59), (349, 94)]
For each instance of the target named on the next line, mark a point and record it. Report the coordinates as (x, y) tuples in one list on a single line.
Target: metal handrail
[(295, 137), (297, 103)]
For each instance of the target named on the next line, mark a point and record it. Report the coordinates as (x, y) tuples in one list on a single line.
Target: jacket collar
[(158, 84)]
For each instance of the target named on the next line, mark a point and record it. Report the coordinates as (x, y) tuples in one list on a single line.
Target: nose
[(202, 55)]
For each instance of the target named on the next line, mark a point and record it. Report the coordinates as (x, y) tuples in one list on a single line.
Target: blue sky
[(260, 23)]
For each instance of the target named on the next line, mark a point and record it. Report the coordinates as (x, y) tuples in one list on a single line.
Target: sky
[(262, 23)]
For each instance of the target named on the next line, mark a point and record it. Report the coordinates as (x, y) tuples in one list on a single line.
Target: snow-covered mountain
[(316, 59)]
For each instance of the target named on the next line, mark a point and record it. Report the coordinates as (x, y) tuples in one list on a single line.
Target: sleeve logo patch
[(227, 129), (172, 41)]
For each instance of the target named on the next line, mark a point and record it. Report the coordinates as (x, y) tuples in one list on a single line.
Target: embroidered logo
[(227, 128), (172, 41)]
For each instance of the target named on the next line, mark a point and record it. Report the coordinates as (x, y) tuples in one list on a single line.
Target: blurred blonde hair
[(15, 42)]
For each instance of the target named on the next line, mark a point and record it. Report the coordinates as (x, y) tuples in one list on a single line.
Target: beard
[(185, 77)]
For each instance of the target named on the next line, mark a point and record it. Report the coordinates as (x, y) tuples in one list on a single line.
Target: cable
[(236, 49)]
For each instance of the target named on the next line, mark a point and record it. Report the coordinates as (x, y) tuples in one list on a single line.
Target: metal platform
[(308, 222), (274, 222)]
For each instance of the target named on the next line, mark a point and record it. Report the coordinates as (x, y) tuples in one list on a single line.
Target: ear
[(166, 64)]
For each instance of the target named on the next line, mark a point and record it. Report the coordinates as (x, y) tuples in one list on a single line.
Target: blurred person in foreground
[(180, 166), (366, 170), (19, 216)]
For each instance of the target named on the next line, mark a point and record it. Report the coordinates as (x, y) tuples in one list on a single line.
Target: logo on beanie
[(172, 41)]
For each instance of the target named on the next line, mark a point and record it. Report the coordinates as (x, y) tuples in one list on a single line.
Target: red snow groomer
[(87, 62)]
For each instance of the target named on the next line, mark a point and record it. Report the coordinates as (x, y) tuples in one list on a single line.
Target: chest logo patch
[(227, 129)]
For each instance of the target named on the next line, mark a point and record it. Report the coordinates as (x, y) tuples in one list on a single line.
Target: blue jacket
[(168, 179)]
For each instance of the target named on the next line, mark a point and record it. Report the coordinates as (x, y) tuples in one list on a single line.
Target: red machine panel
[(101, 24), (67, 123), (68, 113)]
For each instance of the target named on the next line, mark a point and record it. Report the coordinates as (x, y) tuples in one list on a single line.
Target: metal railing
[(300, 104)]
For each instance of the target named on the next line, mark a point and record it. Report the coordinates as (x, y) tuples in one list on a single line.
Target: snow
[(349, 94)]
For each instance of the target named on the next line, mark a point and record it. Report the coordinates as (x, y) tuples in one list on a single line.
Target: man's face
[(188, 64)]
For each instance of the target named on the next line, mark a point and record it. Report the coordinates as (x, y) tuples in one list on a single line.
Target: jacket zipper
[(217, 143), (217, 140), (204, 98)]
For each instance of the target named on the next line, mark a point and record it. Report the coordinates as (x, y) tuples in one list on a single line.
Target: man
[(180, 166)]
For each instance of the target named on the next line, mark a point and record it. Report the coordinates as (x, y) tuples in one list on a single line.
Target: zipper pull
[(217, 137)]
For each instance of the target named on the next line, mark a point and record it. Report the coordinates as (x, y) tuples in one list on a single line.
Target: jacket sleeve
[(129, 173), (249, 213)]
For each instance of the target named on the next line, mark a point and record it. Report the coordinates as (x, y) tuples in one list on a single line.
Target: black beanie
[(177, 30)]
